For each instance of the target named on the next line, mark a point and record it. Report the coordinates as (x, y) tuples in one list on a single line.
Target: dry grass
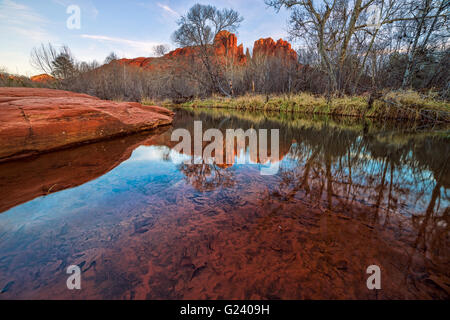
[(394, 105), (153, 102), (411, 105)]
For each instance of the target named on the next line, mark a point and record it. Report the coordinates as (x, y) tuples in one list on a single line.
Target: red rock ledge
[(34, 120)]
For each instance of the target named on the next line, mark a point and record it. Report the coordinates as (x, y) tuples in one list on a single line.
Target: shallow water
[(141, 224)]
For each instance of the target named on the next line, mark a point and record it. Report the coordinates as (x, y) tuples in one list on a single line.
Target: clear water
[(141, 224)]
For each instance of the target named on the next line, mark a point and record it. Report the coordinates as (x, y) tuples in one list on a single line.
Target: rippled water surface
[(141, 224)]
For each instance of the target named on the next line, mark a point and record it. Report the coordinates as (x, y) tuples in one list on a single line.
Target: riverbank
[(401, 105)]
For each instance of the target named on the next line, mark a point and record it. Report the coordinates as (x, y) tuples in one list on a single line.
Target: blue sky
[(130, 28)]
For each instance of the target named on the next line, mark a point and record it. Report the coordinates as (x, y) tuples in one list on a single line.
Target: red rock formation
[(160, 62), (182, 52), (225, 47), (13, 80), (138, 62), (268, 47), (38, 120), (42, 78)]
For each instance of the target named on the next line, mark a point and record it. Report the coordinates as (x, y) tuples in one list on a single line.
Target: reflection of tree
[(207, 177), (425, 223), (346, 169), (349, 170)]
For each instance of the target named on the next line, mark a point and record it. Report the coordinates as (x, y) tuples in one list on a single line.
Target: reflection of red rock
[(225, 48), (24, 180), (42, 78), (37, 120), (258, 156)]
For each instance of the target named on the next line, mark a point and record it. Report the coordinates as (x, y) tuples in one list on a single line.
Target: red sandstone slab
[(37, 120)]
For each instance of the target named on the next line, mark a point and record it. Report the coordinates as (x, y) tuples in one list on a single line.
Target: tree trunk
[(407, 77)]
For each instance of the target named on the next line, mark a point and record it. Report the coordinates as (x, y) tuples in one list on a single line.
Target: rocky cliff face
[(225, 45), (225, 48), (268, 47)]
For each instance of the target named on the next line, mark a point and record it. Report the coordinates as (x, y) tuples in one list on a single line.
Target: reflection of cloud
[(158, 154), (164, 153)]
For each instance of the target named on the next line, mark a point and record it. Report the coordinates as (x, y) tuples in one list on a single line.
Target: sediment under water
[(141, 224)]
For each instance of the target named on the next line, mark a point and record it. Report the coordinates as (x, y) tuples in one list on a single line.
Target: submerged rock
[(35, 120)]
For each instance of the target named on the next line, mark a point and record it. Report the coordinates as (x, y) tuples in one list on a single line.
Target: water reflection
[(348, 195), (24, 180)]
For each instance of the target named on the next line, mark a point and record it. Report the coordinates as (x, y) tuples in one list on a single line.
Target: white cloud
[(22, 28), (63, 3), (11, 10), (85, 6), (22, 20), (167, 9), (130, 48)]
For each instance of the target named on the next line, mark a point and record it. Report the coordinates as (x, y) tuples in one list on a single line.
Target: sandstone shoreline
[(34, 121)]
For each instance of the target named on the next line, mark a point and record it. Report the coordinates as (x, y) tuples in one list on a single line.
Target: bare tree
[(58, 63), (334, 26), (111, 57), (161, 50), (350, 46), (42, 58), (427, 16), (199, 28)]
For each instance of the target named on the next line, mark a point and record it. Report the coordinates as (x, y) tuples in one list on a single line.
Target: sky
[(130, 28)]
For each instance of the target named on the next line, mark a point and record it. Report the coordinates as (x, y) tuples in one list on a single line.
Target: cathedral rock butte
[(225, 48)]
